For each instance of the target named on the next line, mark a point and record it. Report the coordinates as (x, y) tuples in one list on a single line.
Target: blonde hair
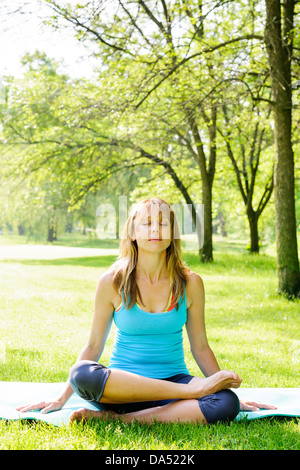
[(124, 268)]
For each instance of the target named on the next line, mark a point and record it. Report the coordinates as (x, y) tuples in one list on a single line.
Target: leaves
[(167, 70)]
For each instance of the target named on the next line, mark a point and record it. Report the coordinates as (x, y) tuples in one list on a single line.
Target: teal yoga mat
[(14, 394)]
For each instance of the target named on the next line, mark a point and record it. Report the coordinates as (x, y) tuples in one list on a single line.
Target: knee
[(231, 405), (80, 377), (222, 406), (79, 373), (88, 378)]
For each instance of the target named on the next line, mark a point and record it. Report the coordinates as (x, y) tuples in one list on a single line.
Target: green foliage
[(162, 72)]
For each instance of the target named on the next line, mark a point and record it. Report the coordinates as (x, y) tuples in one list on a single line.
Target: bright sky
[(24, 32)]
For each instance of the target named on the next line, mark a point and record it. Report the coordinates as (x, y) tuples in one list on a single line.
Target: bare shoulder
[(194, 288), (105, 288), (194, 281), (106, 279)]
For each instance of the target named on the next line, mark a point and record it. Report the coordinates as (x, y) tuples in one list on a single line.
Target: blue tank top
[(149, 344)]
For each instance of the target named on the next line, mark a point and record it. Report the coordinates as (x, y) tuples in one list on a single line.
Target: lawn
[(46, 309)]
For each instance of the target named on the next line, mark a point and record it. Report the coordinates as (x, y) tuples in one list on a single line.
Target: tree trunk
[(206, 252), (278, 40), (21, 230), (253, 224), (207, 171), (52, 230)]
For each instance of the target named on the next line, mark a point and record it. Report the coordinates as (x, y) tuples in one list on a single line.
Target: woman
[(151, 295)]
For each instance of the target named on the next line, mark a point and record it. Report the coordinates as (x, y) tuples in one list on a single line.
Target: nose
[(155, 228)]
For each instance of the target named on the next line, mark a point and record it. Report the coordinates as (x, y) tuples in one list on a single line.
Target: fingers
[(268, 407), (262, 406), (253, 406), (31, 407), (43, 406), (51, 407), (250, 407)]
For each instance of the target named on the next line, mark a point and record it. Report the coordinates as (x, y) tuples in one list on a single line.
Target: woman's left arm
[(196, 331)]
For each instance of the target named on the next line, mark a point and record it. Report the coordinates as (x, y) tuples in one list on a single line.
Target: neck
[(151, 266)]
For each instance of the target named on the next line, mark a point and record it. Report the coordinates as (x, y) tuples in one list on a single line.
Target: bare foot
[(84, 415), (219, 381)]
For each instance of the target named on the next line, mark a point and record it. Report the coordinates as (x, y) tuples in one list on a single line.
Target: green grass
[(45, 319)]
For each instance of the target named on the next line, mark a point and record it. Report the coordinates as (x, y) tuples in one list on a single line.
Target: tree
[(165, 41), (161, 63), (279, 35), (247, 145)]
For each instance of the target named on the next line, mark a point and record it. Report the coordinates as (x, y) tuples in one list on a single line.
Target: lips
[(155, 240)]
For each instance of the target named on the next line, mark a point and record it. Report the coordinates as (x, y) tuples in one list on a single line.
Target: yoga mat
[(14, 394), (287, 401)]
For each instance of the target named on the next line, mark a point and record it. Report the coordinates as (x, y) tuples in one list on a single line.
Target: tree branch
[(152, 17), (266, 196), (233, 160), (135, 23), (197, 54), (76, 22)]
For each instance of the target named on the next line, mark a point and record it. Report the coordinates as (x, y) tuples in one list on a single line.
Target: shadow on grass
[(75, 240), (88, 261), (88, 243)]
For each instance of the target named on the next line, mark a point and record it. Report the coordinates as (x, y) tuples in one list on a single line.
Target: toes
[(78, 415)]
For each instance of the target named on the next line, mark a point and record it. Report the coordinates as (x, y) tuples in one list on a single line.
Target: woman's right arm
[(102, 318)]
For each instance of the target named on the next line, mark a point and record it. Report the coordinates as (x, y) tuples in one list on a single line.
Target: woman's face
[(152, 228)]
